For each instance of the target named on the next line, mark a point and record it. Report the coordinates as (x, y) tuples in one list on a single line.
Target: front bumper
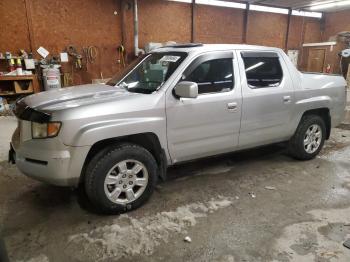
[(48, 160)]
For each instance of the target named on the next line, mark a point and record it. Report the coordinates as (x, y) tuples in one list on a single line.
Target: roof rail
[(185, 45)]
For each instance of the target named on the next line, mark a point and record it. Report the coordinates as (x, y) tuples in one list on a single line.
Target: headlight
[(45, 130)]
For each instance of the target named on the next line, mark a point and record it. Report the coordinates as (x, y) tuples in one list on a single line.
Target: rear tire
[(309, 138), (121, 178)]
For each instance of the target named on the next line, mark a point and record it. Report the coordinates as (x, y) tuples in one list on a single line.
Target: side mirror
[(186, 89)]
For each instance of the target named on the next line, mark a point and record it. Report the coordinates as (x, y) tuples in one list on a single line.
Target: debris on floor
[(188, 239), (330, 254), (224, 225), (317, 239), (252, 194), (347, 243), (40, 258), (124, 237), (270, 188)]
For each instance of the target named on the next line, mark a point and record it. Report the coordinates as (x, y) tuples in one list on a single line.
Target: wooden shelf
[(12, 86), (15, 94), (8, 94), (16, 78), (13, 57)]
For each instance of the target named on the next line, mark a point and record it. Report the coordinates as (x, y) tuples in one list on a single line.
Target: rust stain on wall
[(218, 25), (296, 32), (128, 29), (336, 22), (312, 32), (81, 24), (13, 26), (162, 21), (57, 24), (267, 29)]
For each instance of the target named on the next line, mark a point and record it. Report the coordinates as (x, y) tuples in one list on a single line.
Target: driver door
[(209, 124)]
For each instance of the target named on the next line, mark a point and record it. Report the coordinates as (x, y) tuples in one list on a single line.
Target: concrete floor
[(258, 205)]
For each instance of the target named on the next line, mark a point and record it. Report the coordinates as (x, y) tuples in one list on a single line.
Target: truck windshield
[(149, 72)]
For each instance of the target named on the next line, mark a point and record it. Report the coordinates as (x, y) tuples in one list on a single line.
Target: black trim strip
[(187, 45), (259, 54), (24, 112), (207, 57), (35, 161)]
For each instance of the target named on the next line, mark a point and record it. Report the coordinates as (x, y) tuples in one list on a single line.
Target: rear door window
[(263, 69)]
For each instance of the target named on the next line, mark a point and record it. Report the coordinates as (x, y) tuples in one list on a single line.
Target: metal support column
[(193, 20), (287, 32), (245, 23)]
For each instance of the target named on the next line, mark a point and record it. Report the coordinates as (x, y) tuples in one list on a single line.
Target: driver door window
[(213, 76)]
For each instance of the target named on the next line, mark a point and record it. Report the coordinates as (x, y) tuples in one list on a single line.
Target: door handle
[(287, 99), (232, 106)]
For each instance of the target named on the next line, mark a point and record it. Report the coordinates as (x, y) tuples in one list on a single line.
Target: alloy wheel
[(126, 181), (312, 138)]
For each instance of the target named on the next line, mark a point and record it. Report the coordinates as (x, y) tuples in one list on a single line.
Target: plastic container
[(52, 77)]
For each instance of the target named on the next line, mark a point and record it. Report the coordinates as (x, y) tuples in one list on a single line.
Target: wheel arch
[(148, 140), (324, 113)]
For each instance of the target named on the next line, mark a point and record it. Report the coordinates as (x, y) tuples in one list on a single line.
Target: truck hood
[(76, 96), (39, 107)]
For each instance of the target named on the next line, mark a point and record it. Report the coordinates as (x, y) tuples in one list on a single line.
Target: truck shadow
[(226, 161), (41, 204)]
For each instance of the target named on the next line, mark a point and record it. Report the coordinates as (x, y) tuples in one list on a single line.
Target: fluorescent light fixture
[(321, 44), (329, 5), (221, 3), (254, 66), (262, 8), (308, 14), (182, 1)]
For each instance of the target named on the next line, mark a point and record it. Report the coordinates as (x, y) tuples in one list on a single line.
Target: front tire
[(309, 138), (121, 178)]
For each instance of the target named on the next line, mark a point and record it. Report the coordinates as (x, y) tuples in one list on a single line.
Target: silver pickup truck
[(175, 104)]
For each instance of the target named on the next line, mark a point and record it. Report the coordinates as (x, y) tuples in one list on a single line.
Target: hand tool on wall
[(90, 54), (72, 51), (121, 55), (67, 79)]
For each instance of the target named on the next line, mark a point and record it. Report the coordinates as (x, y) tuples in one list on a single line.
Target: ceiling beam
[(256, 1)]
